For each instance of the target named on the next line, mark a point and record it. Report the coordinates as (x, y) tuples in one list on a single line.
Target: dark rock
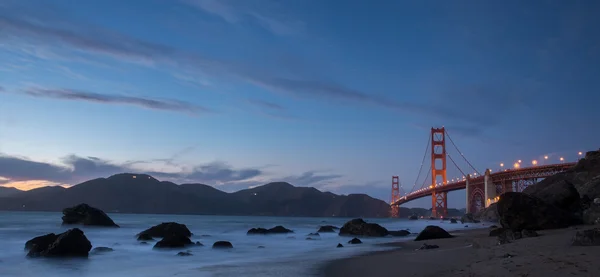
[(173, 241), (560, 193), (184, 254), (453, 220), (401, 233), (432, 232), (591, 215), (310, 238), (493, 226), (198, 244), (41, 241), (339, 245), (520, 211), (144, 237), (222, 244), (354, 241), (274, 230), (590, 237), (86, 215), (71, 243), (327, 229), (496, 232), (413, 217), (101, 249), (260, 246), (468, 218), (426, 246), (489, 214), (166, 229), (314, 235), (144, 242), (466, 226), (358, 227), (529, 233)]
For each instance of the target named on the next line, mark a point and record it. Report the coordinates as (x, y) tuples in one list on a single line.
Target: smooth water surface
[(283, 255)]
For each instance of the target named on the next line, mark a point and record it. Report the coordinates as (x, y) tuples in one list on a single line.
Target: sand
[(474, 253)]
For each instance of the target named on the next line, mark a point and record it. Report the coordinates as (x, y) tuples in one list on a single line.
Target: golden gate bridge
[(481, 189)]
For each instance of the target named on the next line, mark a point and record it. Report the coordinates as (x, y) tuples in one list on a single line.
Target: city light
[(534, 162), (516, 165)]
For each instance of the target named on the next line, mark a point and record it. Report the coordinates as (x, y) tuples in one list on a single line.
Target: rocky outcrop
[(358, 227), (144, 237), (519, 211), (71, 243), (401, 233), (339, 245), (468, 218), (355, 241), (489, 214), (165, 229), (222, 245), (275, 230), (560, 193), (174, 241), (327, 229), (432, 232), (183, 254), (86, 215), (589, 237)]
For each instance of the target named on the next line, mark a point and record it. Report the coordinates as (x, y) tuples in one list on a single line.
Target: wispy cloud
[(77, 95), (311, 178), (266, 104)]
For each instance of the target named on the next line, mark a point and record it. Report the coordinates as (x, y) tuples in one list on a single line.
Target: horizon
[(336, 95)]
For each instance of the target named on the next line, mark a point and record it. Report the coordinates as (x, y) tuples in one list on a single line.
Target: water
[(283, 255)]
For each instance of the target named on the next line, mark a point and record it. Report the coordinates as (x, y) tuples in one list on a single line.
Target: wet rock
[(144, 242), (198, 244), (339, 245), (354, 241), (166, 229), (452, 220), (310, 238), (327, 229), (358, 227), (432, 232), (260, 246), (184, 254), (222, 245), (275, 230), (519, 211), (101, 249), (413, 217), (174, 241), (590, 237), (314, 235), (71, 243), (489, 214), (41, 241), (468, 218), (401, 233), (466, 226), (144, 237), (556, 191), (86, 215), (426, 246)]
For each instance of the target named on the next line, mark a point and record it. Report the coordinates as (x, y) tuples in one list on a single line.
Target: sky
[(339, 94)]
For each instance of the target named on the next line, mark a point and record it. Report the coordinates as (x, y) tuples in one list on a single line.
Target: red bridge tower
[(395, 196), (439, 200)]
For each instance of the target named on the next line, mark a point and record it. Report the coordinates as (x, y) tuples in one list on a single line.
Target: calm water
[(283, 255)]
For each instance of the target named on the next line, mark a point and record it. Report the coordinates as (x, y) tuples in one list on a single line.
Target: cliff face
[(145, 194)]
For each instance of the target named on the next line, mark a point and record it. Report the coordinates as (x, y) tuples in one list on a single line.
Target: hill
[(8, 191), (140, 193)]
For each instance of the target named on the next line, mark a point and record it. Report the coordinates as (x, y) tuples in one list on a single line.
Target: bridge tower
[(439, 200), (395, 212)]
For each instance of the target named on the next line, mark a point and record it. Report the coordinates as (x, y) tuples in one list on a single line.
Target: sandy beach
[(474, 253)]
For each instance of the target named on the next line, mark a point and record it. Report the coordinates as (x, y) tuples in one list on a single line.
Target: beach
[(475, 253)]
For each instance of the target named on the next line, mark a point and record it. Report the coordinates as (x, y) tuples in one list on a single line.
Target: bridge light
[(534, 162), (501, 164), (579, 153), (562, 159), (545, 157), (516, 165), (519, 161)]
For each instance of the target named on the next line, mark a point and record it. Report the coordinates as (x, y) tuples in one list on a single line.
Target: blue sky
[(339, 95)]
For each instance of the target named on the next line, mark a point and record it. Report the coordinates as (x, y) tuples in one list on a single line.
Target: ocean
[(283, 255)]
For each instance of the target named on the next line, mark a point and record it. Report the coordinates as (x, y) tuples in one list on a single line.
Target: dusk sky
[(336, 94)]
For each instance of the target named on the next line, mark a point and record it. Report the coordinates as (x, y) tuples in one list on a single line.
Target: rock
[(489, 214), (493, 226), (102, 249), (339, 245), (597, 201), (529, 233), (496, 232), (184, 254), (520, 211), (433, 232), (222, 245), (144, 242), (468, 218), (431, 218), (174, 241), (310, 238), (413, 217), (86, 215), (198, 244), (144, 237), (558, 192), (260, 246), (453, 220), (275, 230), (314, 235), (166, 229), (327, 229), (589, 237), (591, 215), (401, 233), (466, 226), (41, 241), (358, 227), (426, 246), (354, 241), (71, 243)]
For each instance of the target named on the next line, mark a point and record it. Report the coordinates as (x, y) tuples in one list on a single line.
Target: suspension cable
[(426, 178), (461, 154), (452, 160), (421, 167)]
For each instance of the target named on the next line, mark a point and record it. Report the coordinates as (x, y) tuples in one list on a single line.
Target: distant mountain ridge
[(143, 194)]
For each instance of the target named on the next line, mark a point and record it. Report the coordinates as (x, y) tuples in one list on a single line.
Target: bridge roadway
[(508, 175)]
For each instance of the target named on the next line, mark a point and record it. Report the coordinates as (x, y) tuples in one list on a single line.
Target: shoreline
[(474, 253)]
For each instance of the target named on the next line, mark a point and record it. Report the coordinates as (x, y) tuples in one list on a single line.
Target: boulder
[(339, 245), (589, 237), (433, 232), (558, 192), (489, 214), (358, 227), (174, 241), (468, 218), (496, 232), (327, 229), (86, 215), (166, 229), (144, 237), (184, 254), (520, 211), (41, 241), (222, 244), (71, 243), (401, 233), (354, 241), (101, 249), (453, 220), (275, 230)]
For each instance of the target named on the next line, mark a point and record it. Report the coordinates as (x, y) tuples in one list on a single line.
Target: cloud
[(266, 105), (77, 95), (311, 178)]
